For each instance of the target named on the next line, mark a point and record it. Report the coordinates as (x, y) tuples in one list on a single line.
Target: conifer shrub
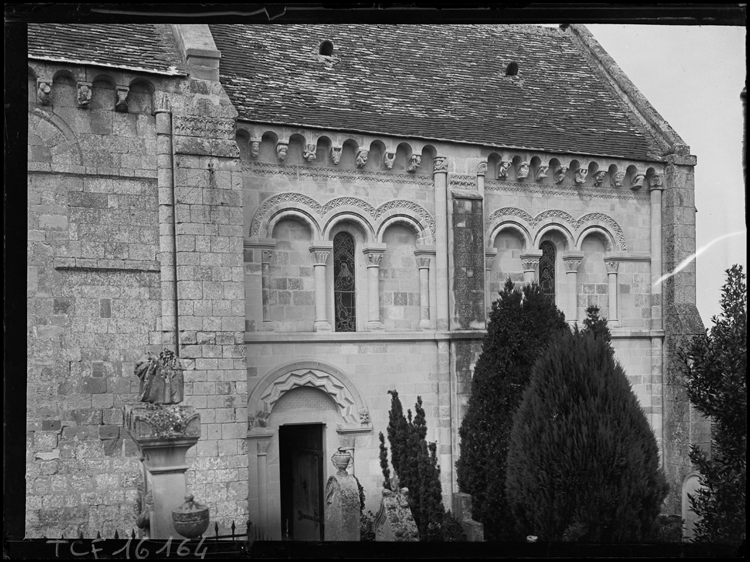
[(583, 463), (415, 464), (521, 324), (716, 368)]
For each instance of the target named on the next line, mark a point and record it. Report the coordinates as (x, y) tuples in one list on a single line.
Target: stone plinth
[(163, 433), (474, 530), (394, 521)]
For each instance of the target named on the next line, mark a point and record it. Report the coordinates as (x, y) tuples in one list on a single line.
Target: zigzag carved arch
[(313, 374), (56, 134)]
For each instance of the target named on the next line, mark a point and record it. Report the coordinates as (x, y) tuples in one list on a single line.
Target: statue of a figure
[(162, 381)]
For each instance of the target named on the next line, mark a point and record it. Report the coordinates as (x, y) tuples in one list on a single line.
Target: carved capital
[(599, 178), (161, 102), (373, 254), (656, 181), (335, 154), (440, 165), (482, 169), (320, 257), (423, 262), (254, 149), (530, 261), (522, 171), (572, 262), (122, 99), (489, 257), (560, 174), (617, 179), (362, 158), (502, 170), (266, 256), (580, 175), (414, 161), (281, 149), (612, 266), (541, 172), (84, 94), (43, 90), (309, 152), (388, 159), (638, 181)]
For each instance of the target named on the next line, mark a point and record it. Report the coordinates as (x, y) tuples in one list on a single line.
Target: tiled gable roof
[(140, 47), (432, 81)]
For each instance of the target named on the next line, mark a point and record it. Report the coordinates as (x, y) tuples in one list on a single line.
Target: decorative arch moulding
[(351, 407), (575, 230), (320, 218)]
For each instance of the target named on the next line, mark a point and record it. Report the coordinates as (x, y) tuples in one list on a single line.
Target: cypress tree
[(716, 369), (521, 324), (583, 463)]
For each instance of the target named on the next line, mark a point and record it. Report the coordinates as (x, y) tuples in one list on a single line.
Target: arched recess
[(408, 219), (606, 224), (325, 377), (57, 137), (508, 217), (348, 214), (510, 240), (606, 236), (560, 236), (282, 203), (592, 283), (558, 228), (399, 287)]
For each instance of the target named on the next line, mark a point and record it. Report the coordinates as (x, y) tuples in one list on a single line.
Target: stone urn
[(341, 460), (191, 518)]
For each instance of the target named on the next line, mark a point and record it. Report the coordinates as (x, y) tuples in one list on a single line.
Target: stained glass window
[(547, 268), (343, 282)]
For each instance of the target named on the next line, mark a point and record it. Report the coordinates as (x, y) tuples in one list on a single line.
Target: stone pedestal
[(474, 530), (394, 521), (342, 508), (163, 434)]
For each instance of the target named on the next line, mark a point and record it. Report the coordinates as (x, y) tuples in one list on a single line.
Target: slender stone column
[(266, 283), (572, 260), (612, 267), (262, 445), (440, 178), (656, 189), (489, 257), (167, 234), (530, 261), (320, 252), (423, 263), (374, 253)]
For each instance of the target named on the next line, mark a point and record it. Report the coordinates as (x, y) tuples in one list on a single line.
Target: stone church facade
[(315, 215)]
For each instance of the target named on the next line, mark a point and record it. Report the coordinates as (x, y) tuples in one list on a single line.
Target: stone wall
[(93, 302)]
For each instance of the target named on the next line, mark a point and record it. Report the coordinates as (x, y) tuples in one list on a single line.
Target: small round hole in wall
[(326, 48), (512, 69)]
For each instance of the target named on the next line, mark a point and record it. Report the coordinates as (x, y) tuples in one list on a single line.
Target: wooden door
[(302, 482)]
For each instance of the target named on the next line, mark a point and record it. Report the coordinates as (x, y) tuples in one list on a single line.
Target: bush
[(521, 324), (583, 463), (716, 368), (415, 464)]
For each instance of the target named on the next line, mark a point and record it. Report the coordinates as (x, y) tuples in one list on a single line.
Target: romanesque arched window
[(344, 297), (547, 268)]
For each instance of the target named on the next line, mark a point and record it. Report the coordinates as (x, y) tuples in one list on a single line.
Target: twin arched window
[(344, 295)]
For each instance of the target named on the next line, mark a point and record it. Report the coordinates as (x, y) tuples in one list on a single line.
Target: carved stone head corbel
[(122, 99), (414, 161), (580, 175), (43, 91), (599, 178), (281, 150), (335, 154), (638, 181), (617, 179), (362, 158), (541, 172), (254, 148), (560, 174), (523, 171), (502, 170), (84, 94), (309, 152), (388, 159)]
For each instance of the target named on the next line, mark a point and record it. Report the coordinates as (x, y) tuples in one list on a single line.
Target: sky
[(693, 76)]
